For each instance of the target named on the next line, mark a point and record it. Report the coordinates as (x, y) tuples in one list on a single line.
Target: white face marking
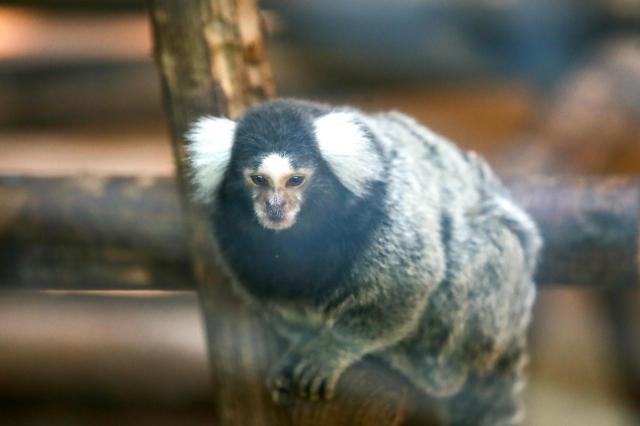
[(276, 166), (276, 204)]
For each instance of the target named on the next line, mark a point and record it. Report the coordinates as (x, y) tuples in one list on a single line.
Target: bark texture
[(91, 232)]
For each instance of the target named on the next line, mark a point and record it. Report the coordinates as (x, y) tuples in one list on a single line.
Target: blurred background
[(544, 86)]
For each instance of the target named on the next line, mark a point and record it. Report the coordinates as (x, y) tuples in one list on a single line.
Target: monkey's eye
[(259, 180), (295, 181)]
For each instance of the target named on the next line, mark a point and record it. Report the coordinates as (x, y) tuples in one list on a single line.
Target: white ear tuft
[(350, 153), (208, 152)]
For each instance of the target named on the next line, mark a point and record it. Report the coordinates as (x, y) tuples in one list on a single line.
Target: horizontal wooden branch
[(91, 231), (119, 232), (590, 227)]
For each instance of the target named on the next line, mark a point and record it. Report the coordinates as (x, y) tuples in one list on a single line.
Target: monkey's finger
[(316, 387), (304, 378), (299, 370), (307, 379), (329, 387)]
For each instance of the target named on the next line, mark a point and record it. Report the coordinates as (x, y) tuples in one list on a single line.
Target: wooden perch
[(590, 227), (55, 231), (106, 233)]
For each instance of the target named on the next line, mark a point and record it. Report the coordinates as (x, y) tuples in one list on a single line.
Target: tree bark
[(201, 59), (92, 232), (590, 227), (208, 66)]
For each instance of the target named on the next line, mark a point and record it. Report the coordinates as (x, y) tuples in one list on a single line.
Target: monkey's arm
[(376, 316)]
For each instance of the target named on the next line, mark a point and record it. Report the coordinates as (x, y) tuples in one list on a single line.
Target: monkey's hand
[(311, 370), (362, 322)]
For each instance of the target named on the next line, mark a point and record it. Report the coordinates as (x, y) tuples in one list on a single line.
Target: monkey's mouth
[(277, 226), (276, 221)]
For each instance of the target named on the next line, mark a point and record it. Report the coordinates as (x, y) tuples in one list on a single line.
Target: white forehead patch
[(276, 166)]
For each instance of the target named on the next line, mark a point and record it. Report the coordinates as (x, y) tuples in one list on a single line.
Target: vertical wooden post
[(207, 66), (211, 65), (212, 61)]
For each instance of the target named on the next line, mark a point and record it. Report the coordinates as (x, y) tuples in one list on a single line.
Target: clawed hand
[(310, 376)]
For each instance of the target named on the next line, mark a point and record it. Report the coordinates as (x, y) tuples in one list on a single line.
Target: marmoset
[(360, 234)]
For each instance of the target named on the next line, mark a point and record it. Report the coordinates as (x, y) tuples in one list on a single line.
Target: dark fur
[(309, 260)]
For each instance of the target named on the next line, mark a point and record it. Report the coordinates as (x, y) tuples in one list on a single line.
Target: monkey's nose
[(275, 211)]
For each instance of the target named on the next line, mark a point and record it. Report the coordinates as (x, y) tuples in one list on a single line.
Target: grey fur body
[(442, 293)]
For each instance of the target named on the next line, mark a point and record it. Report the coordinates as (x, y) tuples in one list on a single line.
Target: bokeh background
[(536, 86)]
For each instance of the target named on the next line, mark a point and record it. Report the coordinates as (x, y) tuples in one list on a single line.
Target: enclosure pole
[(212, 61), (208, 66)]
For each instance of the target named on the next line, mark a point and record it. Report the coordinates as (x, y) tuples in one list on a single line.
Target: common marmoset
[(367, 234)]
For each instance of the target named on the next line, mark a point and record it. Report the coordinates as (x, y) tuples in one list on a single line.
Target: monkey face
[(277, 190)]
